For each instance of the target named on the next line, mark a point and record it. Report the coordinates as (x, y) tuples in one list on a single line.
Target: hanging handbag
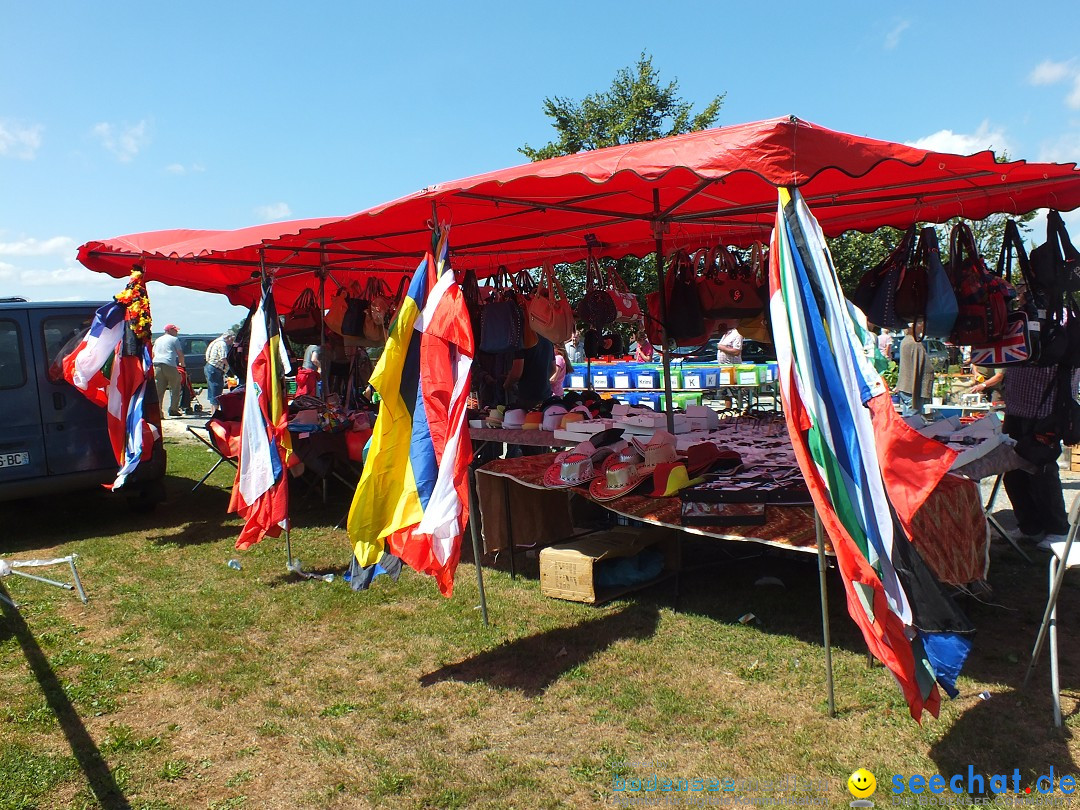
[(501, 318), (627, 308), (941, 308), (1056, 263), (596, 308), (550, 314), (524, 287), (912, 291), (1012, 349), (685, 325), (982, 310), (352, 322), (725, 288), (378, 313), (875, 294), (338, 306), (470, 291), (303, 321)]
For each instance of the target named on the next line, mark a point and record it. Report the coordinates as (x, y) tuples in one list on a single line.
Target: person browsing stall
[(168, 360), (217, 364), (644, 352), (729, 349), (1032, 419), (915, 381)]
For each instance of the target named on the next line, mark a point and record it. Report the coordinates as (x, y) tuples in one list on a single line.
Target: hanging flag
[(867, 471), (261, 491), (413, 493), (85, 366), (111, 366), (132, 436)]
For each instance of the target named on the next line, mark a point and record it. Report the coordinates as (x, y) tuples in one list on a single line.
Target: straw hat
[(620, 478), (573, 470)]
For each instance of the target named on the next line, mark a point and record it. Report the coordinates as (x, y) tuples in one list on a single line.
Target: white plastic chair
[(1064, 557)]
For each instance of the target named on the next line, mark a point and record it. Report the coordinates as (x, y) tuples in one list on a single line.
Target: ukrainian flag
[(413, 493)]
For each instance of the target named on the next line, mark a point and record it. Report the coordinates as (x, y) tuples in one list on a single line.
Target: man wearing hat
[(168, 360)]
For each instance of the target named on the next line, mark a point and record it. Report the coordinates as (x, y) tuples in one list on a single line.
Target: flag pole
[(665, 354), (827, 635)]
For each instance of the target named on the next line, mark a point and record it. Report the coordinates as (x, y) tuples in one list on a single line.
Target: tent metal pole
[(665, 354), (826, 634), (474, 519)]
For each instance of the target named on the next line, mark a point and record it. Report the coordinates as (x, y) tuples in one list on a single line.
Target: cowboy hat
[(669, 478), (552, 416), (705, 456), (619, 478), (573, 470)]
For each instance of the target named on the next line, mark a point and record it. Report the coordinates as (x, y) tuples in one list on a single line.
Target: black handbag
[(875, 294)]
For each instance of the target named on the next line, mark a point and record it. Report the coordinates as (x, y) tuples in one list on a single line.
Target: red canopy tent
[(689, 189)]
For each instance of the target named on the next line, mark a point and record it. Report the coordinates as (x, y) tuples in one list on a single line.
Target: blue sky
[(120, 117)]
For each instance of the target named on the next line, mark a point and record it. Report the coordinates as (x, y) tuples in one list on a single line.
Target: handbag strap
[(962, 248), (614, 280), (594, 274), (305, 301), (524, 283), (1012, 249), (555, 287)]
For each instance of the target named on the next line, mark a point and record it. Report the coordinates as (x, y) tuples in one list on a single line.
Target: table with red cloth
[(950, 529)]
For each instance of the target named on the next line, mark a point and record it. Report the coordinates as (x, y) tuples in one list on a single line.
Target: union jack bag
[(1013, 349)]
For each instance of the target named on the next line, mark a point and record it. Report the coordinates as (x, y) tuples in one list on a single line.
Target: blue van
[(53, 439)]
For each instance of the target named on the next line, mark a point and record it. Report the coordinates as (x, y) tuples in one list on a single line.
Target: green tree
[(637, 107)]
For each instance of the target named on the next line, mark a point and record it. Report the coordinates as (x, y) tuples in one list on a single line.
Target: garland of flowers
[(136, 303)]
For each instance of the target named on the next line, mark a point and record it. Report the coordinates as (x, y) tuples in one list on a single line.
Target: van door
[(76, 432), (22, 442)]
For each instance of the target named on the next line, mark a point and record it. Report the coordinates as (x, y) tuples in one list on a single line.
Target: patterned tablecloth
[(530, 438), (951, 530)]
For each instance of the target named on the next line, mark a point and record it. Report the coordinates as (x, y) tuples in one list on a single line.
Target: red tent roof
[(700, 187)]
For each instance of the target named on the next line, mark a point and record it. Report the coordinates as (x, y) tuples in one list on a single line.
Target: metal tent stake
[(827, 636)]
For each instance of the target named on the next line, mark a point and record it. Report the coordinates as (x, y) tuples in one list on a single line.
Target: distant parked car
[(753, 352), (194, 348), (935, 348)]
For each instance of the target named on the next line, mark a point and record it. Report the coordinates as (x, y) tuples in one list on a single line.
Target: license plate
[(14, 459)]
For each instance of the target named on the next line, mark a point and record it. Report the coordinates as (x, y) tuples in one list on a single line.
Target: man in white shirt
[(729, 350), (168, 360)]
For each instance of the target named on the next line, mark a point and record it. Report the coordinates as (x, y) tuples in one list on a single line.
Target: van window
[(58, 331), (12, 363)]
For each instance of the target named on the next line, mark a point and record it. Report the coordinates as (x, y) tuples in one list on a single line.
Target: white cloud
[(180, 168), (53, 246), (959, 143), (1063, 149), (68, 276), (124, 141), (1073, 99), (892, 39), (20, 142), (273, 212), (1050, 72)]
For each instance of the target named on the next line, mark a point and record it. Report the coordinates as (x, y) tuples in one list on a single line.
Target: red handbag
[(725, 287), (627, 308)]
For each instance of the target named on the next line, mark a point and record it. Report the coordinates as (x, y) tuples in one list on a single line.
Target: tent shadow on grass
[(530, 665), (96, 770), (1016, 731)]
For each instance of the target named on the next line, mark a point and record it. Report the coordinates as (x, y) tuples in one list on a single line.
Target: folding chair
[(9, 567), (223, 438), (1063, 557)]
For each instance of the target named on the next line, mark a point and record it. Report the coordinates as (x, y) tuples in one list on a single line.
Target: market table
[(950, 529)]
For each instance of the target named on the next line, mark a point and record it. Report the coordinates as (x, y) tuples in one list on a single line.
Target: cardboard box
[(568, 571)]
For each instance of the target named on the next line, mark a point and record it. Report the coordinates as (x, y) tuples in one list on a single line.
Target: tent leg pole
[(288, 548), (826, 633), (474, 514), (665, 354)]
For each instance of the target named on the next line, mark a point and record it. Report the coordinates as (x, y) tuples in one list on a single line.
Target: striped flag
[(261, 491), (867, 471), (131, 434), (413, 493), (84, 367)]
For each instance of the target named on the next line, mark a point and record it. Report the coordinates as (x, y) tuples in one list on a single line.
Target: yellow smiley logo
[(862, 784)]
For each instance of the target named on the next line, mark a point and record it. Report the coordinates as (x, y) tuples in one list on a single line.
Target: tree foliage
[(635, 108)]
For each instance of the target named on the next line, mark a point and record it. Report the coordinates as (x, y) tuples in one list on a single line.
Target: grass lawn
[(187, 684)]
